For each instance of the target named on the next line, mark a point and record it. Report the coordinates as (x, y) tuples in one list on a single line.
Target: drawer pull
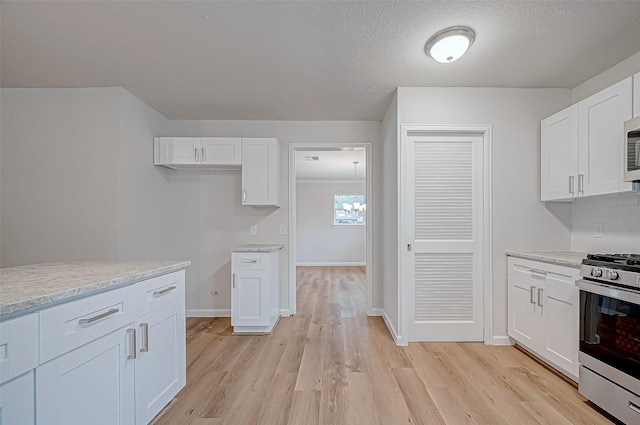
[(144, 334), (164, 291), (98, 317), (248, 261), (234, 280), (540, 297), (538, 272), (634, 407), (131, 334)]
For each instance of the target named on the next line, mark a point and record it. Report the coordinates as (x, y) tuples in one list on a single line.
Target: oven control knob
[(596, 272), (612, 275)]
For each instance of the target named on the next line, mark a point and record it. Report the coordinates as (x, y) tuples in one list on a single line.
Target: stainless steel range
[(610, 334)]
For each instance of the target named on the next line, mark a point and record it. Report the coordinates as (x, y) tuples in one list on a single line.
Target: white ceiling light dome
[(449, 44)]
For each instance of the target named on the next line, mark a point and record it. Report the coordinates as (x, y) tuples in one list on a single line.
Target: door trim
[(485, 131), (370, 197)]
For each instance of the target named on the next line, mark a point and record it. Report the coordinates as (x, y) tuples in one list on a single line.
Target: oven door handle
[(609, 291)]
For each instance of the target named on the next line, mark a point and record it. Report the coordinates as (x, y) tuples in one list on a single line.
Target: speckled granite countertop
[(28, 288), (562, 258), (256, 247)]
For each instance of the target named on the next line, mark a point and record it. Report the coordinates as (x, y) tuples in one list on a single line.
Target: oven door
[(610, 326)]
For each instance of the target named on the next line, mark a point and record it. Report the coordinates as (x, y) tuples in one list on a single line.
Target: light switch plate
[(253, 229), (283, 229), (598, 230)]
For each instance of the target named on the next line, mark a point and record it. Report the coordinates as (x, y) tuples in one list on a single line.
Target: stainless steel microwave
[(632, 150)]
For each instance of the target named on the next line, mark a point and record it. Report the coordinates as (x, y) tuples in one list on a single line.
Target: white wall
[(520, 220), (318, 240), (212, 215), (60, 175), (618, 72), (390, 277)]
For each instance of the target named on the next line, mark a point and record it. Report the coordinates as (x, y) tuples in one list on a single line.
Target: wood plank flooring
[(331, 364)]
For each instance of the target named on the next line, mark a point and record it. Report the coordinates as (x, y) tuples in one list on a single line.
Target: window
[(348, 212)]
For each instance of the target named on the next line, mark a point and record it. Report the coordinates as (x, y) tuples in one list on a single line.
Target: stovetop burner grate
[(626, 259)]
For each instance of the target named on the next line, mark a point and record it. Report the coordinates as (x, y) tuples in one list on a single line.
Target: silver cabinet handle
[(164, 291), (131, 334), (234, 280), (634, 407), (204, 154), (581, 183), (540, 296), (538, 272), (571, 184), (248, 261), (144, 335), (98, 317), (532, 295), (196, 154), (244, 195)]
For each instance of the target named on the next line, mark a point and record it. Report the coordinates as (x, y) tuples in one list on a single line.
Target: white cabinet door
[(177, 150), (522, 309), (559, 332), (17, 401), (250, 298), (559, 155), (161, 363), (93, 384), (260, 172), (221, 151), (601, 119)]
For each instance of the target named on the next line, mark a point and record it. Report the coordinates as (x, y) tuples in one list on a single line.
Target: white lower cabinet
[(160, 366), (254, 292), (93, 384), (544, 312), (111, 372), (17, 400)]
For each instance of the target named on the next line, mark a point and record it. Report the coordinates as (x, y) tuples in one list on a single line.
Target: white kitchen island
[(91, 342)]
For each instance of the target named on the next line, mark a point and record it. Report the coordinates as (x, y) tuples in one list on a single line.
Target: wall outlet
[(283, 229), (598, 230), (253, 229)]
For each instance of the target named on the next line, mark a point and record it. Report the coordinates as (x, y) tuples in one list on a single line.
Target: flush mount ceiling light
[(449, 44)]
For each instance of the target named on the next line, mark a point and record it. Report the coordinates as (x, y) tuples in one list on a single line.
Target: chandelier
[(354, 207)]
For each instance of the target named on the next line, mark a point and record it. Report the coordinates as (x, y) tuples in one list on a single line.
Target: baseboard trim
[(331, 264), (285, 312), (208, 312), (376, 312), (502, 340), (396, 338)]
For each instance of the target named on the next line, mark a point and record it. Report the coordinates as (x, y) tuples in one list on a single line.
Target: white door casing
[(445, 200)]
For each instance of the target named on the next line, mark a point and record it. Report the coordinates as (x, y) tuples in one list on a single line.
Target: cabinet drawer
[(18, 346), (160, 291), (250, 261), (537, 271), (70, 325)]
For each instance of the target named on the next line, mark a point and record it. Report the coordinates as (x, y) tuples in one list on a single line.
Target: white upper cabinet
[(581, 146), (636, 95), (601, 119), (260, 172), (559, 155), (198, 152)]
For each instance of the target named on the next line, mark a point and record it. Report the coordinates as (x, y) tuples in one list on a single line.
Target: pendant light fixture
[(450, 44), (356, 206)]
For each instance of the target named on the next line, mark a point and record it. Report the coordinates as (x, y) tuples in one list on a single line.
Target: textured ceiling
[(303, 60)]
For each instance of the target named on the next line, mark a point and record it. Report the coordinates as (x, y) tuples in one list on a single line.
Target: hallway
[(331, 364)]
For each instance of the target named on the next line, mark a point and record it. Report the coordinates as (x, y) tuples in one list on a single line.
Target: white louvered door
[(443, 227)]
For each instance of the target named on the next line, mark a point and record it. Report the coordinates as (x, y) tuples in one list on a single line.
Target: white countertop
[(28, 288), (257, 247), (562, 258)]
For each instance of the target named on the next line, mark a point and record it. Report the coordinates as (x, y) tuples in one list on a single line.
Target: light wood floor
[(331, 364)]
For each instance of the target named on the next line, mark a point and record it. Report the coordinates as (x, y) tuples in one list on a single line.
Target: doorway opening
[(330, 212)]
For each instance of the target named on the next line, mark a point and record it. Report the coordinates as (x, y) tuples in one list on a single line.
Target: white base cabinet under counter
[(543, 312), (255, 288)]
